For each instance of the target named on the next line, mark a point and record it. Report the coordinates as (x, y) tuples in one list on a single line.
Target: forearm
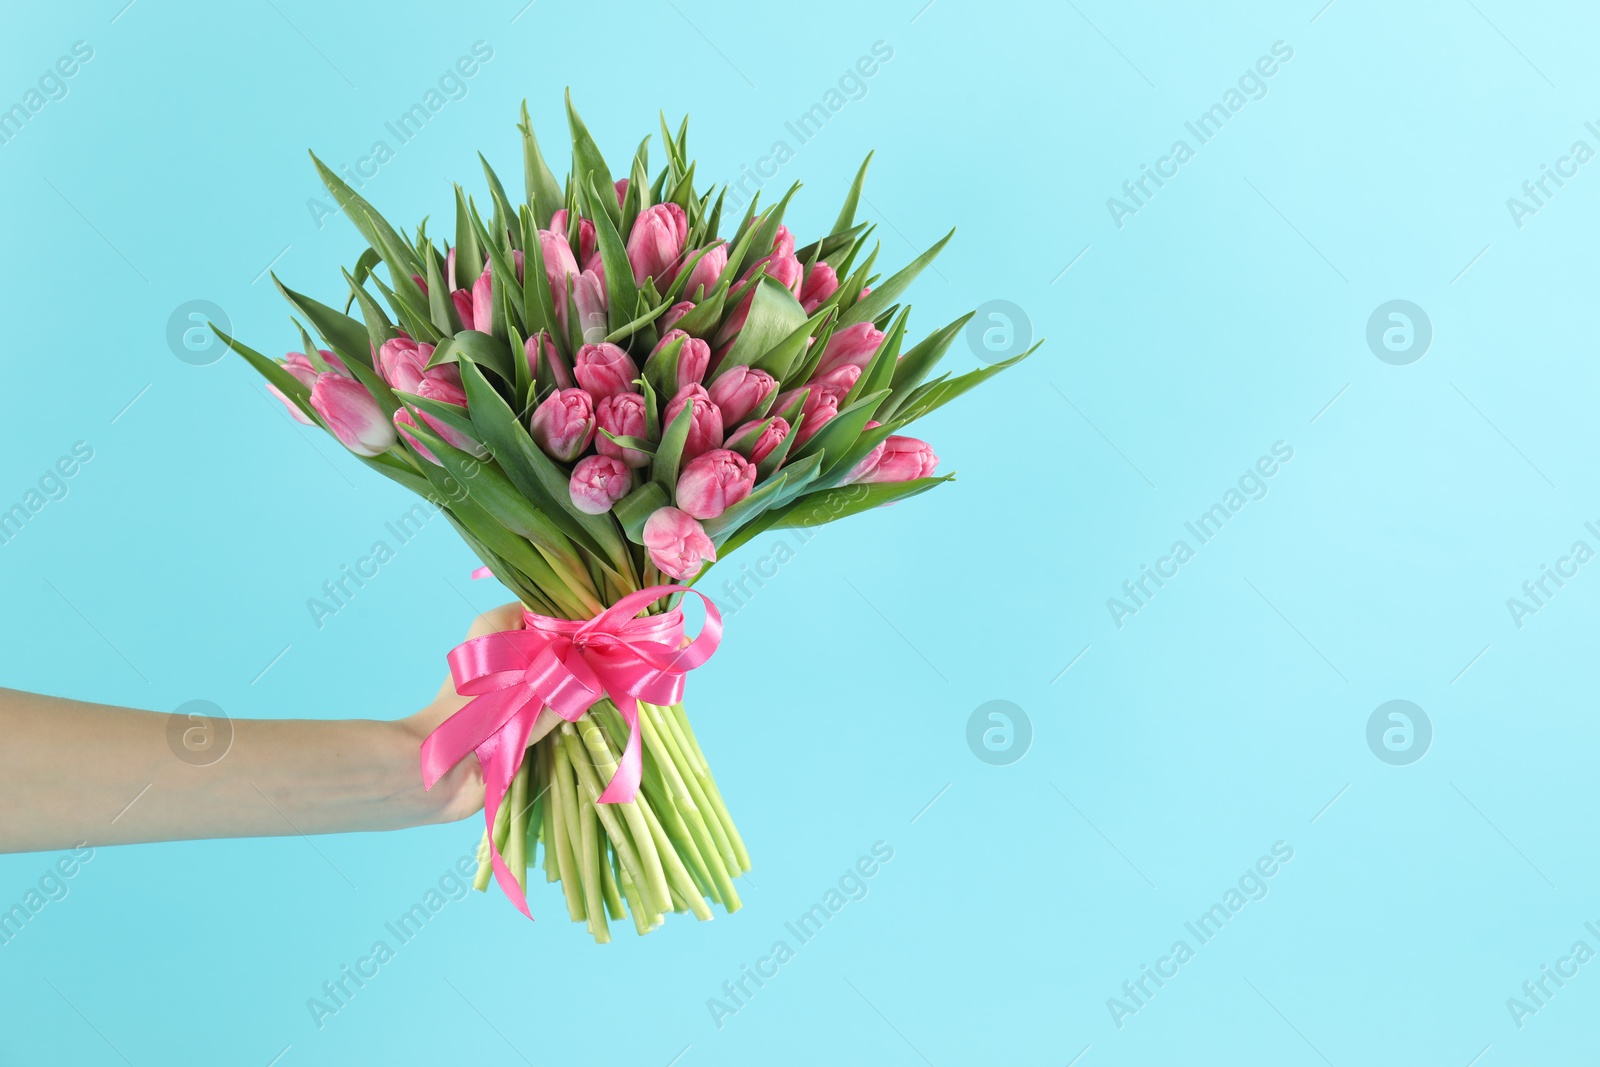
[(73, 772)]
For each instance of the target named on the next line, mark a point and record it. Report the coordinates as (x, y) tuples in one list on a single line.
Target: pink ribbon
[(566, 665)]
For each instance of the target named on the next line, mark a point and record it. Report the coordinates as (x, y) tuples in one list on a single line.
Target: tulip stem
[(566, 814), (592, 883), (655, 878), (680, 719)]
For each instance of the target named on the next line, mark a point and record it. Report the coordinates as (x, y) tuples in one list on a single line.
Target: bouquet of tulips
[(605, 395)]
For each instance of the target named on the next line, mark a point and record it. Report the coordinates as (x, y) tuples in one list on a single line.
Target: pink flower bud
[(897, 459), (821, 406), (621, 186), (713, 482), (781, 268), (604, 369), (558, 224), (545, 363), (707, 269), (564, 424), (656, 242), (352, 414), (622, 414), (694, 356), (558, 259), (482, 302), (443, 384), (783, 241), (838, 381), (740, 390), (770, 438), (402, 362), (462, 299), (705, 426), (677, 543), (599, 482), (449, 270), (297, 364), (855, 344), (670, 317), (821, 283), (589, 297)]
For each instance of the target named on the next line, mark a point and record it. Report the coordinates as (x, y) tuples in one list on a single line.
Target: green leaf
[(589, 169), (538, 306), (469, 254), (344, 335), (779, 360), (763, 233), (450, 414), (664, 466), (273, 371), (828, 505), (947, 390), (888, 292), (544, 193), (915, 365), (480, 349), (725, 525), (841, 432), (379, 328), (622, 296), (366, 219), (880, 369), (368, 259), (774, 316), (534, 473), (847, 214), (502, 207), (441, 309), (632, 510), (402, 261)]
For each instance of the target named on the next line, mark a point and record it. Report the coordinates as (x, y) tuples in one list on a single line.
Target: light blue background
[(1224, 717)]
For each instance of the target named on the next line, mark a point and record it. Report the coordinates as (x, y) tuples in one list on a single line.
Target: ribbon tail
[(624, 785), (502, 756)]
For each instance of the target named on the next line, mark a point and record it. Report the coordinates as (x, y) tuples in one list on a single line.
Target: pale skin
[(73, 773)]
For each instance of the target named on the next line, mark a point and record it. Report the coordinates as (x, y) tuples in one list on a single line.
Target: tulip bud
[(558, 224), (588, 297), (783, 241), (622, 414), (621, 186), (759, 447), (783, 269), (713, 482), (707, 269), (482, 301), (300, 368), (897, 459), (462, 299), (403, 363), (599, 482), (352, 414), (677, 543), (558, 258), (670, 317), (821, 283), (838, 381), (705, 426), (564, 424), (689, 363), (446, 389), (855, 344), (739, 391), (545, 363), (604, 369), (656, 242), (821, 406)]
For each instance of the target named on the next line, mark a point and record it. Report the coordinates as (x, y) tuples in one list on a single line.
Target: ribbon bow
[(568, 666)]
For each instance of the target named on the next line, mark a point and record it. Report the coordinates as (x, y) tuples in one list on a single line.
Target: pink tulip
[(821, 283), (301, 369), (622, 414), (422, 283), (735, 322), (769, 439), (558, 224), (707, 269), (564, 424), (838, 381), (483, 300), (705, 425), (352, 414), (656, 242), (604, 370), (783, 241), (462, 299), (855, 345), (677, 543), (740, 390), (596, 265), (694, 356), (558, 259), (402, 420), (446, 389), (589, 296), (402, 362), (621, 186), (599, 482), (677, 311), (782, 268), (449, 270), (713, 482), (821, 406), (546, 364), (896, 459)]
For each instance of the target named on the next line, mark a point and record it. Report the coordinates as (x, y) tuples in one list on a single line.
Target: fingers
[(505, 617)]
